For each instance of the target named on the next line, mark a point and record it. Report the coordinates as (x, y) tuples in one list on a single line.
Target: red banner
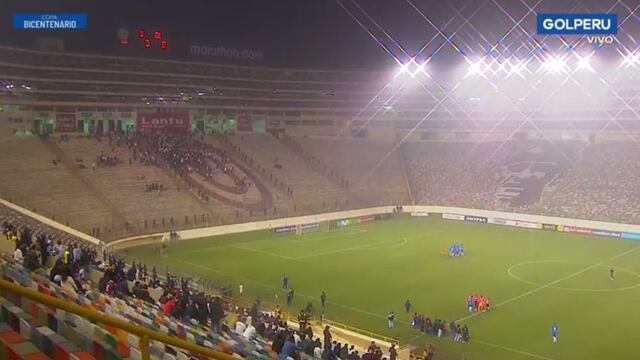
[(66, 122), (169, 121), (366, 219), (244, 123)]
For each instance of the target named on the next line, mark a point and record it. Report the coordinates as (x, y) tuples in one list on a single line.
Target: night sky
[(308, 33)]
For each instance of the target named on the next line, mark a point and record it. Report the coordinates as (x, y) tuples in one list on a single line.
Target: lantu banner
[(169, 121)]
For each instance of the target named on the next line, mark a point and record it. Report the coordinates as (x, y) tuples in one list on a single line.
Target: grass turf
[(533, 278)]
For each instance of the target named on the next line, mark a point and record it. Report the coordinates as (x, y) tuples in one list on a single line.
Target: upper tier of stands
[(563, 178)]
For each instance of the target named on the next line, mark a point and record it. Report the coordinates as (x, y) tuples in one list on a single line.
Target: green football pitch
[(533, 277)]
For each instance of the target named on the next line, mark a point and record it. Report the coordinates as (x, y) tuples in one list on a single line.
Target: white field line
[(262, 252), (537, 356), (349, 233), (551, 283), (353, 248)]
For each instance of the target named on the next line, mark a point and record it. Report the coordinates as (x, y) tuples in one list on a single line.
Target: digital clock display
[(154, 39)]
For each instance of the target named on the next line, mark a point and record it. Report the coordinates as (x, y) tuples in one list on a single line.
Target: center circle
[(579, 268)]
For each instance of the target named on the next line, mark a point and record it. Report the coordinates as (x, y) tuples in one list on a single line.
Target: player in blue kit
[(554, 332)]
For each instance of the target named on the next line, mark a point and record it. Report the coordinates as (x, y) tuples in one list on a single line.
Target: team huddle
[(476, 303), (452, 250)]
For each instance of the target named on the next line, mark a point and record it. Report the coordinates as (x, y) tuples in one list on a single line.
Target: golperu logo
[(577, 24)]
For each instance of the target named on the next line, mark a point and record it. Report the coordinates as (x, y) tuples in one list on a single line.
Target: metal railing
[(144, 334)]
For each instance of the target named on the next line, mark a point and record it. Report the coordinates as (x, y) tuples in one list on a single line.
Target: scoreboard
[(143, 39)]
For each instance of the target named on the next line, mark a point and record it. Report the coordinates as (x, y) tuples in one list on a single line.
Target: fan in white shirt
[(240, 327), (250, 332)]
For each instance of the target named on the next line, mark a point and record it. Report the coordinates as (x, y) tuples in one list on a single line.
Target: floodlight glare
[(403, 68), (419, 69), (631, 60), (584, 63), (475, 68), (554, 65), (517, 68)]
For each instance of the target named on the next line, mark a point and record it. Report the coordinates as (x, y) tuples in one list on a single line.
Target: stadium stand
[(128, 185), (567, 178), (38, 181), (370, 168), (312, 190)]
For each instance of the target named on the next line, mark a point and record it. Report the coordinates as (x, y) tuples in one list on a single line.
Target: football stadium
[(306, 180)]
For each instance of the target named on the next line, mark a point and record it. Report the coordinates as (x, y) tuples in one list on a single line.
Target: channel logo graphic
[(577, 24), (57, 21)]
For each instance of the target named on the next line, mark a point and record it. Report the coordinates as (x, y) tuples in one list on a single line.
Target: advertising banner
[(522, 224), (244, 123), (259, 126), (549, 227), (577, 230), (452, 216), (478, 219), (631, 235), (366, 219), (608, 233), (292, 228), (345, 222), (527, 225), (65, 122), (419, 214), (500, 222), (168, 121)]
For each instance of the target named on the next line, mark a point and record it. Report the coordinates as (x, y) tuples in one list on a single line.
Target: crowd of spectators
[(38, 250), (590, 178), (106, 160), (440, 328), (185, 154)]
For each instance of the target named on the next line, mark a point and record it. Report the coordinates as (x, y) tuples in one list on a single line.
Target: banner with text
[(419, 214), (292, 228), (65, 122), (167, 121)]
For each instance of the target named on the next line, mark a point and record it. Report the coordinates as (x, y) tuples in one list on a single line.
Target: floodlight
[(584, 63), (554, 65), (419, 69), (476, 68), (631, 59), (403, 68)]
